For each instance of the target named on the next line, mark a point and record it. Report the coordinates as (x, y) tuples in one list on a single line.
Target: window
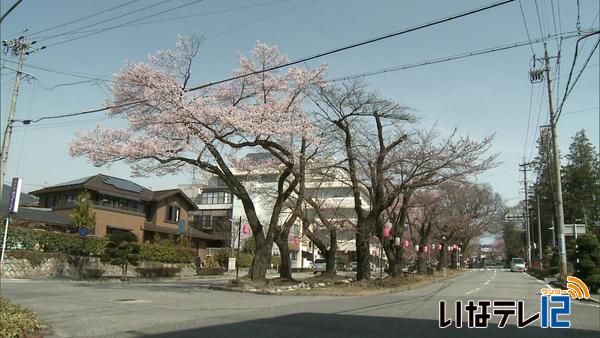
[(220, 182), (173, 213), (215, 197)]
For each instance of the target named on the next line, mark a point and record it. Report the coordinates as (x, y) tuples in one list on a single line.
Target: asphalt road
[(190, 309)]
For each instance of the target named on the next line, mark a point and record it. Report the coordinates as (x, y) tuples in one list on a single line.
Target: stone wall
[(56, 267)]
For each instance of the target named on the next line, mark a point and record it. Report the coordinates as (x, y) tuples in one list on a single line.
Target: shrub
[(122, 249), (212, 271), (165, 253), (157, 271), (245, 260), (16, 320), (588, 253), (40, 240), (222, 257)]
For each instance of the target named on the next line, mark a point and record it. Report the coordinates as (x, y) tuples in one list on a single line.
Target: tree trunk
[(285, 268), (442, 261), (363, 255), (330, 265), (261, 260)]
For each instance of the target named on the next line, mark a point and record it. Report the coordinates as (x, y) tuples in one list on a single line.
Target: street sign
[(84, 232), (572, 229), (181, 226), (15, 195)]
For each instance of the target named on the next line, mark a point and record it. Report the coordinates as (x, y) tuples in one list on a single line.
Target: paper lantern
[(386, 232), (440, 247), (397, 241), (432, 247), (425, 248), (246, 229), (406, 243), (417, 248)]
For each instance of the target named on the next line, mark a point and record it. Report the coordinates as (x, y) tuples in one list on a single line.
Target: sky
[(480, 95)]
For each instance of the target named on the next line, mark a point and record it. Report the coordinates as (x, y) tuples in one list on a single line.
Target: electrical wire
[(528, 121), (568, 90), (446, 58), (85, 112), (218, 11), (357, 44), (121, 25), (259, 19), (526, 28), (77, 30), (83, 18), (539, 19), (397, 68)]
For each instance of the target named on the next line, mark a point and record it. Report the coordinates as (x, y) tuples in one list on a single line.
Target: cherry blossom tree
[(170, 127), (387, 160)]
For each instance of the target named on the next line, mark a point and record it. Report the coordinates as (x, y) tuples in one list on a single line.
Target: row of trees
[(391, 167), (580, 181)]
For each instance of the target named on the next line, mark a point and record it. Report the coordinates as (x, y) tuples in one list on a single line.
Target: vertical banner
[(15, 195)]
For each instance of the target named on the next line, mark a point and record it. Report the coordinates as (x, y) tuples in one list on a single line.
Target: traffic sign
[(84, 232)]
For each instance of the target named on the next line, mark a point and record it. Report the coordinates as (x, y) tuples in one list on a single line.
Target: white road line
[(486, 283), (535, 279), (470, 292)]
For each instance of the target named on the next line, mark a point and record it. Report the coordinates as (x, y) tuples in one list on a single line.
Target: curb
[(375, 292)]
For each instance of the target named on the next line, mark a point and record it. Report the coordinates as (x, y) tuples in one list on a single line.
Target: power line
[(121, 25), (528, 120), (358, 44), (76, 30), (10, 10), (396, 68), (526, 28), (446, 59), (85, 112), (539, 19), (568, 90), (259, 19), (84, 18), (218, 11)]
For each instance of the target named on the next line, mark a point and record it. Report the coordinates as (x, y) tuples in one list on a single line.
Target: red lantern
[(440, 247), (406, 243), (425, 248), (246, 229)]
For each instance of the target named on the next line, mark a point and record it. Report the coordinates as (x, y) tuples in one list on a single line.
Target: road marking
[(470, 292), (535, 279), (486, 283)]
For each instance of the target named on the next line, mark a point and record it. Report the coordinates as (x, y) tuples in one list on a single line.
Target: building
[(122, 205), (218, 208), (30, 215)]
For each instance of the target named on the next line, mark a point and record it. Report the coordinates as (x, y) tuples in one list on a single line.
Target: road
[(190, 309)]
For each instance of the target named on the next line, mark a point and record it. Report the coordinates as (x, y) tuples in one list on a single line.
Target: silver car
[(319, 265), (517, 264)]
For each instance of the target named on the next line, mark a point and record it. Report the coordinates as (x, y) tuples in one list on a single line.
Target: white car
[(517, 264)]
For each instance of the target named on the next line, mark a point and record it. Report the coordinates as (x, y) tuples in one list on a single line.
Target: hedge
[(17, 321), (73, 244), (165, 254)]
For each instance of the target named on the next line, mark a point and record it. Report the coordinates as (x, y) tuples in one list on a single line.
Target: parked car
[(320, 265), (353, 265), (517, 264)]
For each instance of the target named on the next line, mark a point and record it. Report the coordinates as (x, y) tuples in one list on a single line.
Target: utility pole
[(539, 230), (19, 47), (558, 185), (527, 230)]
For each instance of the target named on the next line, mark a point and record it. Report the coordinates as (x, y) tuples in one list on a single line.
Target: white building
[(219, 209)]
